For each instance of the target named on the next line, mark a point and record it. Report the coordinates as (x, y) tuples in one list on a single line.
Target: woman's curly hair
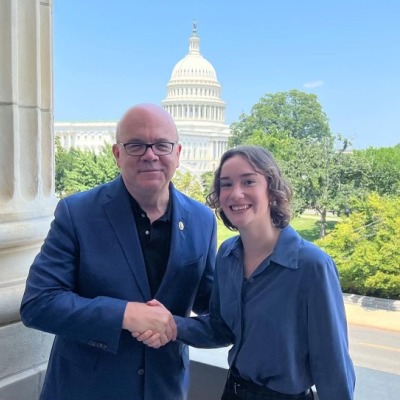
[(279, 191)]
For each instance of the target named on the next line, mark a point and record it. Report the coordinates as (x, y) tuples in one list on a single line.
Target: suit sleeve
[(51, 301)]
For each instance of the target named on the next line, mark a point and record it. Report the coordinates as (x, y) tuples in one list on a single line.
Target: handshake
[(150, 323)]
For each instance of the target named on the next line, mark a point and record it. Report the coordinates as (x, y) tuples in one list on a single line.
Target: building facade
[(194, 101)]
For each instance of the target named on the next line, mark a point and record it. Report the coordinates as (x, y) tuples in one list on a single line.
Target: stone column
[(27, 197)]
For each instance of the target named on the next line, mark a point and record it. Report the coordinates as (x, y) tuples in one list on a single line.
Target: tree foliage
[(189, 184), (206, 181), (64, 161), (283, 115), (323, 175), (365, 247), (381, 169), (78, 170)]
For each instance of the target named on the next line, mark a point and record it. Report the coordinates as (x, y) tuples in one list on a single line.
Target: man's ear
[(115, 150), (178, 153)]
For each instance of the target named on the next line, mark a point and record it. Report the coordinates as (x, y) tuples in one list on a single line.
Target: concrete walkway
[(369, 311)]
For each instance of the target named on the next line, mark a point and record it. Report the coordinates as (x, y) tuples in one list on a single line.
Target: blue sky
[(109, 55)]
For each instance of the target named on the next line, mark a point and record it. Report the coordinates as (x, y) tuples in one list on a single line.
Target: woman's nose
[(236, 192)]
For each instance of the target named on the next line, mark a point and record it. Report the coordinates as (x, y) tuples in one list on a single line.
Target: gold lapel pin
[(181, 226)]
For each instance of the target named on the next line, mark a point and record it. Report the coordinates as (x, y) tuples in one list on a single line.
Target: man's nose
[(149, 154)]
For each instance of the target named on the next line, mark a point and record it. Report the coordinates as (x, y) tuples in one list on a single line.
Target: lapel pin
[(181, 226)]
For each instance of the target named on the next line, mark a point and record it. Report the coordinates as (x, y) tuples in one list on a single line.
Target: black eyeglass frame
[(145, 146)]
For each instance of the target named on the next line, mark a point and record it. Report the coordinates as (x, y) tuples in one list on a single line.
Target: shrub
[(365, 247)]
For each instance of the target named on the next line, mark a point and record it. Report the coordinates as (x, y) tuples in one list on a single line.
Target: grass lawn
[(306, 225)]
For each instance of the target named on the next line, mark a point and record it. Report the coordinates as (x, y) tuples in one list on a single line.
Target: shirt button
[(142, 215), (140, 371), (147, 232), (251, 280)]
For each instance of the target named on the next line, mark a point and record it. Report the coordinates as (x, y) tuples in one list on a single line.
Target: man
[(109, 251)]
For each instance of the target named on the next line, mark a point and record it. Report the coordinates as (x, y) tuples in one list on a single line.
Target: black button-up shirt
[(155, 240)]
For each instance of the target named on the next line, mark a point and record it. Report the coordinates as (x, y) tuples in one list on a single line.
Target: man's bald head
[(139, 115)]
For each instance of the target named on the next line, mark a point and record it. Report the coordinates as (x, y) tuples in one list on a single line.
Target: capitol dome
[(193, 91), (193, 66)]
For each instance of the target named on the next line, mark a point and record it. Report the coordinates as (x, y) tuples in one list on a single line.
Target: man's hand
[(150, 317), (149, 337)]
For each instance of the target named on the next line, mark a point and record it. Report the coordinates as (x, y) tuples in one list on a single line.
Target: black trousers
[(237, 388)]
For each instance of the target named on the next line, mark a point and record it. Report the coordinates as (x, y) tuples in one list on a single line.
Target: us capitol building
[(194, 101)]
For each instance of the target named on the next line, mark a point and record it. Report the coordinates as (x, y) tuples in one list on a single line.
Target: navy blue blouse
[(287, 321)]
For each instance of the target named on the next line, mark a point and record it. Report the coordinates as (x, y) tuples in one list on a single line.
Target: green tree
[(106, 165), (381, 169), (88, 170), (283, 115), (365, 247), (64, 161), (189, 184), (206, 182), (82, 176), (323, 175)]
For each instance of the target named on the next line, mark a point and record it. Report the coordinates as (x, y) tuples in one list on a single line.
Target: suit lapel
[(118, 210), (179, 232)]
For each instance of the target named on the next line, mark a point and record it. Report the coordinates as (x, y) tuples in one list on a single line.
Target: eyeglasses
[(139, 149)]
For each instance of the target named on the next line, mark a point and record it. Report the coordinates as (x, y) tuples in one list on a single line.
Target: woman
[(276, 297)]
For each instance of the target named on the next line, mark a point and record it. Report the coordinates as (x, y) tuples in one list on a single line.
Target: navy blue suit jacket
[(89, 267)]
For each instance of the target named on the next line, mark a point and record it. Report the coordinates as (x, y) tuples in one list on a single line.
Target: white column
[(27, 196)]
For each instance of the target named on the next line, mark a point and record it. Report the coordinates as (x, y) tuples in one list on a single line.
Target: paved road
[(376, 356), (376, 385), (375, 348)]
